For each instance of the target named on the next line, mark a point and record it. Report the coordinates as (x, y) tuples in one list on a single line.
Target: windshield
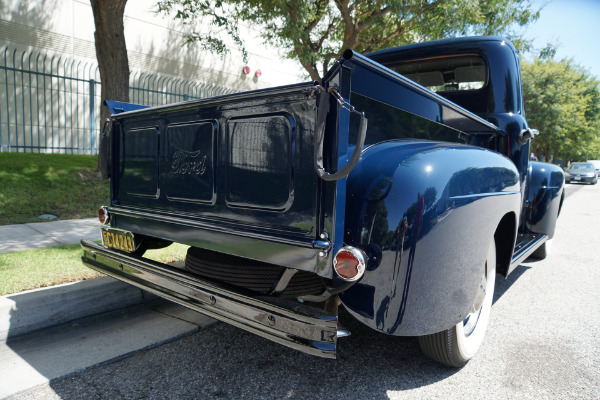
[(582, 167), (595, 163)]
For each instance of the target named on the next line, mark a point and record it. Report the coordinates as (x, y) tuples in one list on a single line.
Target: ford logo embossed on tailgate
[(188, 162)]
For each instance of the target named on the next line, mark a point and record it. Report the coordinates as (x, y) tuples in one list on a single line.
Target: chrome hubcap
[(470, 322)]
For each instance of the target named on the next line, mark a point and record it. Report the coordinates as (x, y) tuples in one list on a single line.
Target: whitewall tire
[(455, 346)]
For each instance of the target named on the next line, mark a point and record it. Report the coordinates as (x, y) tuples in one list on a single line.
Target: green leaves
[(372, 25), (562, 100), (217, 14), (316, 32)]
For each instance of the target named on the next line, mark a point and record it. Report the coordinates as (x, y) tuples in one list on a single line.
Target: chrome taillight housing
[(103, 215), (350, 263)]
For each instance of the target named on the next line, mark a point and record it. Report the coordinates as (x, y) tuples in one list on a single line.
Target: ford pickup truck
[(398, 187)]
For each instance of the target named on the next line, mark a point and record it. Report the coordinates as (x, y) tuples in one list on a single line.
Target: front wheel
[(455, 346)]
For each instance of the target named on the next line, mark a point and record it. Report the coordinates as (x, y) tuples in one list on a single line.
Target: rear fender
[(425, 213), (545, 193)]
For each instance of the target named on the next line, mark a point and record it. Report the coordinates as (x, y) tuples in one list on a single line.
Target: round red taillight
[(349, 263), (103, 215)]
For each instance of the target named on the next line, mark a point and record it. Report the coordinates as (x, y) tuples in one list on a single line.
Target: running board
[(526, 244)]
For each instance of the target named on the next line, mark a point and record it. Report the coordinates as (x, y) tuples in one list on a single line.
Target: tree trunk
[(111, 53), (554, 156)]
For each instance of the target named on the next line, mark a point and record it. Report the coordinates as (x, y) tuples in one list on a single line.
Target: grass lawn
[(65, 185), (32, 269)]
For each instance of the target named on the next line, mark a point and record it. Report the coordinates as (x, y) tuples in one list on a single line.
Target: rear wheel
[(455, 346)]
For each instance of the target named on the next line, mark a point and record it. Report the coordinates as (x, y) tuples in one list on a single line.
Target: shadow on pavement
[(224, 362), (227, 363), (503, 284)]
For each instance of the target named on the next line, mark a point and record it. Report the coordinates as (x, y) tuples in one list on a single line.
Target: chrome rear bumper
[(295, 325)]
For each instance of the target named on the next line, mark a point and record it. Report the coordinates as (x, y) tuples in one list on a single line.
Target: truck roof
[(442, 42)]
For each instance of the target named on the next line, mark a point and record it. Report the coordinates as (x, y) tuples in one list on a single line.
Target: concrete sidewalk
[(37, 358), (53, 332), (46, 234)]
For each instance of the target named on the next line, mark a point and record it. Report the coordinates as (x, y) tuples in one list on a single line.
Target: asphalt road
[(543, 342)]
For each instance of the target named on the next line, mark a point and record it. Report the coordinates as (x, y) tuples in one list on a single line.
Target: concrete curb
[(114, 331), (33, 310)]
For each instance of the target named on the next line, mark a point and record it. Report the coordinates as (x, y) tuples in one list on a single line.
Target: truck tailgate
[(232, 174)]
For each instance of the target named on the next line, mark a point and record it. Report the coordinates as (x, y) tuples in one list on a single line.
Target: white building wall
[(155, 42), (56, 37)]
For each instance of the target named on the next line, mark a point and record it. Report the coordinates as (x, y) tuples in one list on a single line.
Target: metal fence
[(51, 104)]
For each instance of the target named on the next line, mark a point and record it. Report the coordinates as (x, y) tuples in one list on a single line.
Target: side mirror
[(527, 134)]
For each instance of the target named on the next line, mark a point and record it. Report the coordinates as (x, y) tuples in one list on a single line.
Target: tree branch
[(321, 7), (372, 16), (325, 35)]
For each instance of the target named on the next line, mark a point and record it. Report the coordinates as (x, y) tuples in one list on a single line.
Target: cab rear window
[(446, 74)]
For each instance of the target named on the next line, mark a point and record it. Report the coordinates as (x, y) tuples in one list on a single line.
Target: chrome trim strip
[(295, 325)]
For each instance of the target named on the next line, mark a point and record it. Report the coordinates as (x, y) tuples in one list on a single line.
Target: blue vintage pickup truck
[(398, 187)]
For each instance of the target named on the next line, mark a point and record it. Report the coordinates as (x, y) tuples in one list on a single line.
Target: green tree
[(111, 48), (111, 53), (216, 14), (562, 101), (316, 32)]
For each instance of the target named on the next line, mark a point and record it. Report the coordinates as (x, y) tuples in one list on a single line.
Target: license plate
[(118, 239), (577, 178)]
